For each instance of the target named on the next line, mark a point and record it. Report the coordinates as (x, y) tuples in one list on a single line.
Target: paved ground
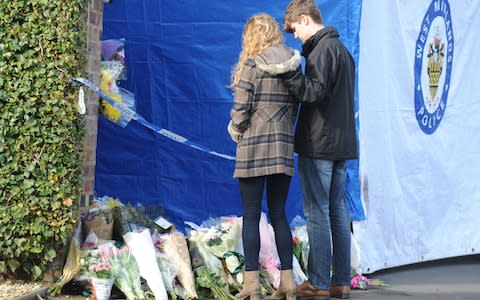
[(448, 279)]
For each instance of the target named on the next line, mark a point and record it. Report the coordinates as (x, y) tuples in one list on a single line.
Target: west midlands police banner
[(419, 131)]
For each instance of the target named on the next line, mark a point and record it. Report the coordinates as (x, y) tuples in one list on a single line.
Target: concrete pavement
[(448, 279)]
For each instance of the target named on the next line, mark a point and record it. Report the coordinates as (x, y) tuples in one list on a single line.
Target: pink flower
[(96, 263), (359, 282)]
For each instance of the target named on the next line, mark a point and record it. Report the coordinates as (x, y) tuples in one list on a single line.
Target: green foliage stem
[(42, 46)]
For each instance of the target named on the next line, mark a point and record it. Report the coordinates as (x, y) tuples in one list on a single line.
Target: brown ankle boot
[(287, 288), (340, 291), (251, 286)]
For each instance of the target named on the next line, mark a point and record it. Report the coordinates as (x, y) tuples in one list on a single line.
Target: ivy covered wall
[(43, 44)]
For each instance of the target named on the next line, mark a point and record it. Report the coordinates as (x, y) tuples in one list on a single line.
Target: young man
[(325, 138)]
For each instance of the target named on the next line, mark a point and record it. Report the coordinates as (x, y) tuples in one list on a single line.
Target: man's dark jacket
[(326, 124)]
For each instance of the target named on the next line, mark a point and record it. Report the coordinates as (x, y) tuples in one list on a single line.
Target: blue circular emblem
[(433, 65)]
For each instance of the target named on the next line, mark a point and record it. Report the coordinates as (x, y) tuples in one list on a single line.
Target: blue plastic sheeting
[(179, 56)]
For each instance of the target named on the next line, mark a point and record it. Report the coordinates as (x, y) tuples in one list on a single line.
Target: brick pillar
[(94, 27)]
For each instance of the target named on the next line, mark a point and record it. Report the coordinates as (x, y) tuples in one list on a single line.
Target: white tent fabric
[(419, 106)]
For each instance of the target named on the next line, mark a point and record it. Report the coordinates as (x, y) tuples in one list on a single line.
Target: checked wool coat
[(264, 113)]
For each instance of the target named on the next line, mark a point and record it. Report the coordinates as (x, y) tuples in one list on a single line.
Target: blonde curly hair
[(260, 32)]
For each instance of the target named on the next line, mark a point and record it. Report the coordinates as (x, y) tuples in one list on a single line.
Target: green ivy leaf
[(13, 264), (19, 241), (50, 255), (36, 272)]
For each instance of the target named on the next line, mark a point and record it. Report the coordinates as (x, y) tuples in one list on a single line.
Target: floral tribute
[(125, 270), (359, 282), (96, 264), (148, 262)]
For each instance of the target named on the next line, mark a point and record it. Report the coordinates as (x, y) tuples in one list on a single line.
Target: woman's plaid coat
[(264, 113)]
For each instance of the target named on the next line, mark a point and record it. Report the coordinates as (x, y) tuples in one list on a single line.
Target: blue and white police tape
[(130, 114)]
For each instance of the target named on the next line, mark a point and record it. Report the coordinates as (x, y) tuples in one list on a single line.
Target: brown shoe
[(340, 291), (307, 290)]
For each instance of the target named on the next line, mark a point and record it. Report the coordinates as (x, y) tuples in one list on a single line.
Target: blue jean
[(328, 223)]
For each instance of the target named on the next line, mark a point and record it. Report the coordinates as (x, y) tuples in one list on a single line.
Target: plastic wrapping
[(142, 248), (174, 245)]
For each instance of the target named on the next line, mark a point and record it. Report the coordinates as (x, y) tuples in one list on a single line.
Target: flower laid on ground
[(266, 287), (141, 247), (207, 282), (125, 270), (174, 247), (101, 208), (234, 263), (213, 263), (211, 278), (72, 265), (169, 274), (300, 246), (96, 264), (377, 282), (96, 267), (222, 236), (299, 275), (268, 256), (359, 282)]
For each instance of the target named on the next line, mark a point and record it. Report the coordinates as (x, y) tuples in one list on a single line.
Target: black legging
[(251, 190)]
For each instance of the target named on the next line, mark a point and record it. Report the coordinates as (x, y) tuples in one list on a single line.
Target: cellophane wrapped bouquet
[(174, 259), (208, 244), (126, 273), (169, 275), (96, 263), (268, 256), (142, 248), (300, 241)]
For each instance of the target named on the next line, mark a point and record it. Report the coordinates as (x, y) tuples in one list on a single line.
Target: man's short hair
[(296, 8)]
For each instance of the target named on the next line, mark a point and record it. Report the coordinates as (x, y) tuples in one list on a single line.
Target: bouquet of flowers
[(213, 263), (72, 264), (359, 282), (98, 219), (210, 279), (223, 236), (174, 247), (95, 264), (266, 287), (300, 259), (125, 270), (168, 274), (268, 256), (234, 262), (141, 247), (301, 246)]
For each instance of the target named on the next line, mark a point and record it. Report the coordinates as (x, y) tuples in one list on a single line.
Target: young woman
[(261, 123)]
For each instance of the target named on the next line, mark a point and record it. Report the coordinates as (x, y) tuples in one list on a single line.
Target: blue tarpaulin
[(179, 56)]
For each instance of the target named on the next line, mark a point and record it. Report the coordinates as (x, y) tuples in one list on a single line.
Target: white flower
[(232, 263)]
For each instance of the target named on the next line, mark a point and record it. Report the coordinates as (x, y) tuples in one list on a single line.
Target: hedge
[(42, 46)]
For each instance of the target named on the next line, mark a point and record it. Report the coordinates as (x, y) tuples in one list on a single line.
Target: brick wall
[(94, 27)]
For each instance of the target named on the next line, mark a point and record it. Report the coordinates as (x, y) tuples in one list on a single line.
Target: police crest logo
[(433, 65)]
